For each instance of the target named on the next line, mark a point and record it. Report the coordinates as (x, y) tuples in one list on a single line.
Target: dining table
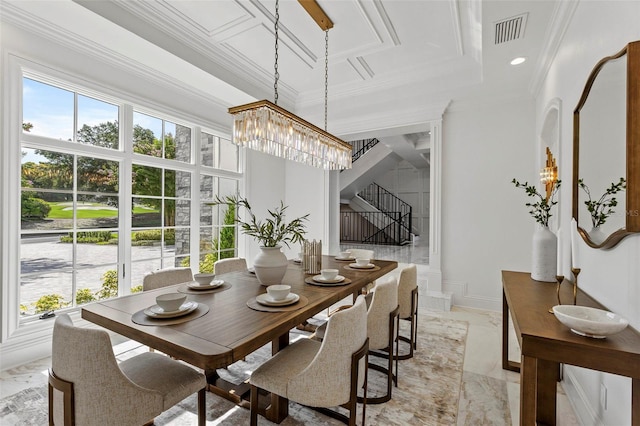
[(228, 324)]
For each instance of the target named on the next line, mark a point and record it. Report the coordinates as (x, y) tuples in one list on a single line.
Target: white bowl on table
[(278, 291), (329, 274), (362, 262), (204, 278), (170, 302), (590, 322)]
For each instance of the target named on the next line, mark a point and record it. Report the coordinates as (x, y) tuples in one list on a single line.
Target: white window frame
[(11, 325)]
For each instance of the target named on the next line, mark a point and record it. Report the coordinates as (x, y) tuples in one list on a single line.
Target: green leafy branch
[(541, 208), (273, 230), (602, 208)]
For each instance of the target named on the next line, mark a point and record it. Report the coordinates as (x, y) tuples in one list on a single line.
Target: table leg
[(546, 386), (278, 410), (528, 391), (506, 364), (635, 402)]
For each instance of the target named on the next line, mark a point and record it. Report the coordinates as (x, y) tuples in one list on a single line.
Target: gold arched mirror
[(606, 150)]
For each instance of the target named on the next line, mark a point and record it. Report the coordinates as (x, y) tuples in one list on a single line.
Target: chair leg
[(254, 405), (202, 406), (68, 404)]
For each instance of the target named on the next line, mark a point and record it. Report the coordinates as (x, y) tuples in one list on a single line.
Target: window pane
[(207, 149), (96, 175), (177, 142), (228, 155), (182, 213), (182, 181), (47, 110), (182, 241), (146, 212), (147, 134), (97, 123), (51, 290), (97, 248), (146, 180), (145, 244), (46, 169)]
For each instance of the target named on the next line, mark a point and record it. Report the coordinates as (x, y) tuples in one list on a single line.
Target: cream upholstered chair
[(88, 387), (321, 374), (165, 277), (231, 264), (382, 326), (408, 302)]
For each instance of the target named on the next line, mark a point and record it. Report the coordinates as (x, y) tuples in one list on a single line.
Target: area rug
[(427, 394)]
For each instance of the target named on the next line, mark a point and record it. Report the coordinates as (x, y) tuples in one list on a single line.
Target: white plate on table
[(345, 259), (337, 279), (356, 266), (156, 311), (194, 285), (265, 299)]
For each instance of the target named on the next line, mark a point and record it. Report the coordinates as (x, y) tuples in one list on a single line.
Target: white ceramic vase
[(596, 235), (544, 255), (270, 265)]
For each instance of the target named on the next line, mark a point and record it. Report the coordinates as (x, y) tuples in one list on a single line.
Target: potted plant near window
[(545, 242), (270, 264)]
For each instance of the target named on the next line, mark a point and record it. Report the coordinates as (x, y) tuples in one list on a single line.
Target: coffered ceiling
[(394, 65)]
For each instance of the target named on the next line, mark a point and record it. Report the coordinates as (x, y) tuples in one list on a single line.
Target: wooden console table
[(545, 343)]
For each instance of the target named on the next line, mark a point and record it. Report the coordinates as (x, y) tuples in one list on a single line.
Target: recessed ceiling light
[(518, 60)]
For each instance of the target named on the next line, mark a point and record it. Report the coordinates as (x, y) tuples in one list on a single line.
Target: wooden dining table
[(231, 330)]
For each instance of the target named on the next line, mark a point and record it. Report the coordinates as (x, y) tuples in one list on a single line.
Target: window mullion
[(126, 201)]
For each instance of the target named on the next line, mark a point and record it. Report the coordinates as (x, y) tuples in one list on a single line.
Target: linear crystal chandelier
[(266, 127)]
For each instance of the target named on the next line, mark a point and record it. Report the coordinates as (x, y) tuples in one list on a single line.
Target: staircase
[(381, 218)]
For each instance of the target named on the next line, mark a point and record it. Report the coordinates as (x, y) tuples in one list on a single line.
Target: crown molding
[(562, 15)]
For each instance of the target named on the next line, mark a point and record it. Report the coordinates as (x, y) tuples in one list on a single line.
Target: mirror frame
[(632, 212)]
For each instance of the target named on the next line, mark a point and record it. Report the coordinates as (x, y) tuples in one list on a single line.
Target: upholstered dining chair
[(165, 277), (382, 326), (88, 387), (323, 374), (408, 302), (231, 264)]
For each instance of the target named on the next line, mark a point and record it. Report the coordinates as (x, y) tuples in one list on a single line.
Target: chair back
[(384, 302), (326, 382), (231, 264), (407, 282), (165, 277), (362, 253), (84, 357)]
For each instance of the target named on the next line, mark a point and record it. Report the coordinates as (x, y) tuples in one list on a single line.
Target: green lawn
[(90, 210)]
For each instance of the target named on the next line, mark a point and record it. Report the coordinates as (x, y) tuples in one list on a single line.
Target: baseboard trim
[(578, 399)]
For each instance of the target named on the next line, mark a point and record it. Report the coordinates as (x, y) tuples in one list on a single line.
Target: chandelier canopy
[(266, 127)]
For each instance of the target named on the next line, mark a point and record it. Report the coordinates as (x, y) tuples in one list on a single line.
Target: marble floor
[(489, 394)]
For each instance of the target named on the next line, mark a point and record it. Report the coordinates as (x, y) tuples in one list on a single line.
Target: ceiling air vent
[(510, 28)]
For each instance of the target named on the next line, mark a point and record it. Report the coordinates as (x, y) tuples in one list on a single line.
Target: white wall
[(597, 29), (486, 227)]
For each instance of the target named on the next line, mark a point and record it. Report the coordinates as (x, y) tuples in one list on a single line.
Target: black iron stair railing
[(391, 224), (361, 146)]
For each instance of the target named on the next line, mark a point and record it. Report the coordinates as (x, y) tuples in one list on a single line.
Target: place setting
[(170, 308), (278, 298), (327, 278), (345, 256), (204, 283), (362, 264)]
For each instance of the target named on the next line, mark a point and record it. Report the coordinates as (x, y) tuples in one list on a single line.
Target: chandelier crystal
[(264, 126)]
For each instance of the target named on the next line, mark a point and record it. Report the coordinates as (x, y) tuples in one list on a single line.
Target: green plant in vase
[(271, 264), (544, 248), (541, 208)]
